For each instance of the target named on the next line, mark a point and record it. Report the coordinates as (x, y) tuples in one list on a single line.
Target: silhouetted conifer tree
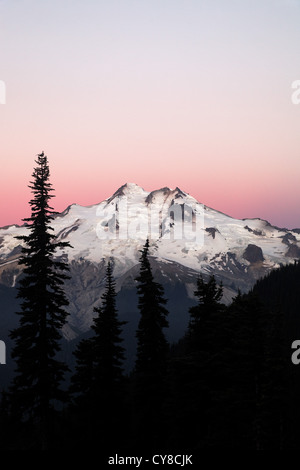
[(208, 295), (109, 354), (152, 346), (97, 383), (243, 358), (39, 374), (196, 375)]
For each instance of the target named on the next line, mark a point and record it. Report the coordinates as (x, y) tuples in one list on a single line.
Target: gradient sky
[(188, 93)]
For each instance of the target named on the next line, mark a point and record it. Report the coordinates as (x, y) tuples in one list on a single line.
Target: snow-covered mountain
[(186, 237)]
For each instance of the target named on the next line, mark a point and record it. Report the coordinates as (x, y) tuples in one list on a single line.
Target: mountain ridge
[(128, 184), (186, 238)]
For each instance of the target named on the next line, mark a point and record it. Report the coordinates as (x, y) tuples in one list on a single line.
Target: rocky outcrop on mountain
[(253, 254)]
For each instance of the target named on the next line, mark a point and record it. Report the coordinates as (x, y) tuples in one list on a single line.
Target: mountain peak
[(132, 187), (164, 193), (128, 189), (179, 191)]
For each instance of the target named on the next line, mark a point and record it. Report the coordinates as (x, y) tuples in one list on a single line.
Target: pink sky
[(191, 94)]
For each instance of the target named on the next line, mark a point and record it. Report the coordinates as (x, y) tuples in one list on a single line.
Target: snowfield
[(180, 229)]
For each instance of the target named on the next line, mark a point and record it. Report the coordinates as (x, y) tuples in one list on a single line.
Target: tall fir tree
[(36, 385), (152, 348), (152, 345), (109, 354), (203, 362), (242, 355), (209, 296), (97, 382)]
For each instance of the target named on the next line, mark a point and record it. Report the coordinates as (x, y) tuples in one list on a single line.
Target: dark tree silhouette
[(97, 382), (109, 354), (152, 346), (209, 296), (37, 339), (196, 375)]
